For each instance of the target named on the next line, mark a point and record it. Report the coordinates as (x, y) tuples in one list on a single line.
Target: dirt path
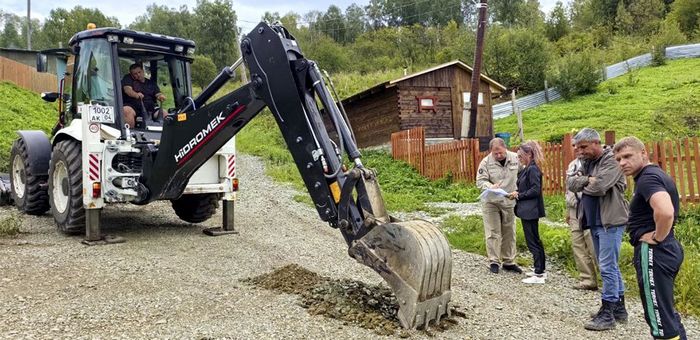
[(171, 281)]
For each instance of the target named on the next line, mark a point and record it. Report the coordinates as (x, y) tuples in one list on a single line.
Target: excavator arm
[(413, 257)]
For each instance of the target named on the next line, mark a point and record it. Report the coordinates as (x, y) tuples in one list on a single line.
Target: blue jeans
[(606, 242)]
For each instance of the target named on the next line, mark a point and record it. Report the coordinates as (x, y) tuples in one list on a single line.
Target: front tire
[(196, 208), (66, 187), (28, 189)]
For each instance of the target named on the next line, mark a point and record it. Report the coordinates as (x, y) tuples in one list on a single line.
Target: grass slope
[(650, 103), (21, 109)]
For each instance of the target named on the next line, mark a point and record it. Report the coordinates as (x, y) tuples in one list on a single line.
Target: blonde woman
[(529, 206)]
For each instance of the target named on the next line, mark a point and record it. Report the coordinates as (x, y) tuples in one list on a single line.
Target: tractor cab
[(101, 61)]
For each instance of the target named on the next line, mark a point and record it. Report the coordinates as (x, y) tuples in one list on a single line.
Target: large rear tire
[(28, 189), (66, 187), (196, 208)]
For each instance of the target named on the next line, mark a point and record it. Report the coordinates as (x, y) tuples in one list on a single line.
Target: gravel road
[(171, 281)]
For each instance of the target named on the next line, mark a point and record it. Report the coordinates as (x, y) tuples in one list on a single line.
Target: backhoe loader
[(94, 158)]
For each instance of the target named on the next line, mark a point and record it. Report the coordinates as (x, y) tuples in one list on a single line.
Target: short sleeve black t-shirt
[(149, 89), (649, 181)]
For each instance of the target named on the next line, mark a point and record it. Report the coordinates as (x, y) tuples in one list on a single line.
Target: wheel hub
[(61, 187), (19, 177)]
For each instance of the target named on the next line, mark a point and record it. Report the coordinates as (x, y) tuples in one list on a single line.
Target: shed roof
[(495, 86)]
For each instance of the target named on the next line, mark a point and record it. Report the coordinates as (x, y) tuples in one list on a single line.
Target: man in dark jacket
[(657, 254), (603, 210)]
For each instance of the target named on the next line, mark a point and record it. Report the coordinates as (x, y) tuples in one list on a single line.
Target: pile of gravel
[(372, 307)]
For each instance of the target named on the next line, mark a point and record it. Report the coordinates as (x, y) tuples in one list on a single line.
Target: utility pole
[(476, 72), (29, 24)]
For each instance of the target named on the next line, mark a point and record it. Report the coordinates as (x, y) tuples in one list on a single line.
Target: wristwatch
[(653, 237)]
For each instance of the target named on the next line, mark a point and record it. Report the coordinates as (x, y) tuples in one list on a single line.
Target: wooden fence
[(26, 76), (680, 159)]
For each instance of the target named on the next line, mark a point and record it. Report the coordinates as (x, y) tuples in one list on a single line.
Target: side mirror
[(41, 63)]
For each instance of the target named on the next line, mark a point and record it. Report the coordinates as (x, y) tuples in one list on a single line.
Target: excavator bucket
[(414, 258)]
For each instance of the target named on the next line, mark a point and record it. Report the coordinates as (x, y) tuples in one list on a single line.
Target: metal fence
[(503, 110)]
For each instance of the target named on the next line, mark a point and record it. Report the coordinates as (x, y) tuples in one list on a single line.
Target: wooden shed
[(435, 98)]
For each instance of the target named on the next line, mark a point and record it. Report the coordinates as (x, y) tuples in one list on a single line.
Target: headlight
[(112, 38), (190, 51), (128, 40), (179, 48)]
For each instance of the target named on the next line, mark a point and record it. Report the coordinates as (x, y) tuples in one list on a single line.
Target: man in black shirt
[(657, 254), (139, 94)]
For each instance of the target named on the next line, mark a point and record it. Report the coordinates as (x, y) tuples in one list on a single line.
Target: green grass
[(650, 103), (555, 208), (21, 109), (468, 234)]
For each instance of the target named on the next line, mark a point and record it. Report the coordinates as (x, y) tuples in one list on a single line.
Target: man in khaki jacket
[(499, 169), (581, 241)]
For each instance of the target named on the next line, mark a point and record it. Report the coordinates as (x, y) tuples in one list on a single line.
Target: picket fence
[(460, 160)]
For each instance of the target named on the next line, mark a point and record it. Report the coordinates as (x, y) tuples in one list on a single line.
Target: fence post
[(567, 148), (610, 138), (475, 156), (422, 151), (546, 92)]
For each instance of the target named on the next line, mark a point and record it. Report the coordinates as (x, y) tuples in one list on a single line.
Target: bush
[(9, 225), (669, 34), (203, 71), (577, 74)]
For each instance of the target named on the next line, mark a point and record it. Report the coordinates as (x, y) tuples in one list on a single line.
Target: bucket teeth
[(414, 258)]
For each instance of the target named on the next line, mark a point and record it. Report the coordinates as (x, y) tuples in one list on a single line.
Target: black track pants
[(657, 267)]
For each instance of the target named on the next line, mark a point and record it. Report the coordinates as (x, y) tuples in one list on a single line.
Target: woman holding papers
[(529, 205)]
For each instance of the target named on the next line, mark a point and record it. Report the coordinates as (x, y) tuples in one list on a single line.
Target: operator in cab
[(140, 95)]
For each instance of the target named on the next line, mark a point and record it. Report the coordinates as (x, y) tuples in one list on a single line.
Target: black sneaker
[(494, 268), (512, 268)]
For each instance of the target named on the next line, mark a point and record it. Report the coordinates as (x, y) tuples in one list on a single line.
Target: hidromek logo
[(199, 137)]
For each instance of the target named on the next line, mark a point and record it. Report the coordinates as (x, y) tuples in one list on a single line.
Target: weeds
[(9, 225)]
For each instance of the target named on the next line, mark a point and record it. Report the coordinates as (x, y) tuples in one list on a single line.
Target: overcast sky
[(249, 11)]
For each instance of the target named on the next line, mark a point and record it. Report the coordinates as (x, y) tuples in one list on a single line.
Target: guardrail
[(505, 109)]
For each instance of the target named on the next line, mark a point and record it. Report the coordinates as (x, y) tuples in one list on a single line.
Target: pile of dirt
[(372, 307)]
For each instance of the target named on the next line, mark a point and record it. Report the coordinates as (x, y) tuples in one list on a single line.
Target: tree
[(582, 15), (444, 11), (375, 14), (332, 23), (604, 11), (164, 20), (557, 25), (203, 71), (646, 16), (10, 37), (355, 22), (517, 58), (62, 24), (624, 21), (687, 14), (516, 13), (216, 34)]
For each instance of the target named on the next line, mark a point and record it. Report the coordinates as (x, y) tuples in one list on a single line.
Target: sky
[(249, 12)]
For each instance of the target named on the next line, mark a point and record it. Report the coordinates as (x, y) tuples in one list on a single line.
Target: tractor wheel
[(66, 187), (196, 208), (28, 189)]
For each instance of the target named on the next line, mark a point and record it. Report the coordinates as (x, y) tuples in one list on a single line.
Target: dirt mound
[(372, 307)]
